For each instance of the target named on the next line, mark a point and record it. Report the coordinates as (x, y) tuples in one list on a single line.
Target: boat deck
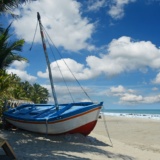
[(41, 112)]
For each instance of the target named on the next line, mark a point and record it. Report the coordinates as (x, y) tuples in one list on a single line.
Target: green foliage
[(7, 6), (9, 50), (39, 94), (11, 88)]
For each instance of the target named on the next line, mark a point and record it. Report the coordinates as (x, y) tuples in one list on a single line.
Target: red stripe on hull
[(85, 129), (55, 121)]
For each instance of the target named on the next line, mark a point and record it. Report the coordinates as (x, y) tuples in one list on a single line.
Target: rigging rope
[(58, 66), (46, 126), (105, 125), (57, 62), (67, 65), (34, 36)]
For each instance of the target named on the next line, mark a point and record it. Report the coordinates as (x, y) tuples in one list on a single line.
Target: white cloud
[(122, 55), (78, 70), (120, 90), (64, 95), (155, 89), (130, 96), (117, 90), (117, 8), (95, 5), (125, 55), (18, 68), (62, 20), (125, 95), (134, 99), (152, 99), (20, 65), (157, 79)]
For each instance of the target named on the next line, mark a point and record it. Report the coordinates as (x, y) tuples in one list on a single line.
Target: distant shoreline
[(133, 115)]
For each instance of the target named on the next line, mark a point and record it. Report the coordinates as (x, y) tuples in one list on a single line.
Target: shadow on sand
[(32, 146)]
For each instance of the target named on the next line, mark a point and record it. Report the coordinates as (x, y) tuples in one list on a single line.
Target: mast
[(47, 60)]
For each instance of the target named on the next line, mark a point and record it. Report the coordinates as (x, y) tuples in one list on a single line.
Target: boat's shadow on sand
[(27, 145)]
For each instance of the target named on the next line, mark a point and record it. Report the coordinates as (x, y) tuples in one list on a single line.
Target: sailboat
[(75, 117)]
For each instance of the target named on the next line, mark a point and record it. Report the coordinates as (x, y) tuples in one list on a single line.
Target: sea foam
[(133, 115)]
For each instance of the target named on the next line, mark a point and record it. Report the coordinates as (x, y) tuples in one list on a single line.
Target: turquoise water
[(136, 113)]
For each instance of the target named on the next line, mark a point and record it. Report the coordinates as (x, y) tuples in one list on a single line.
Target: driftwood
[(7, 149)]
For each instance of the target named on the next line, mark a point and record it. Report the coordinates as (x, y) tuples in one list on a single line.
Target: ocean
[(134, 113)]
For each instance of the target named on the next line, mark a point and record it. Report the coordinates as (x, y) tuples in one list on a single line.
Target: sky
[(111, 46)]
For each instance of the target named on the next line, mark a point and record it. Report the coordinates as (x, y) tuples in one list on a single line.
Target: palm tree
[(8, 83), (8, 51), (39, 94), (6, 87), (6, 6), (4, 82), (27, 88), (18, 92)]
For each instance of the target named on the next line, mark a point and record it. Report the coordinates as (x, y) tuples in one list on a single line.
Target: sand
[(133, 139)]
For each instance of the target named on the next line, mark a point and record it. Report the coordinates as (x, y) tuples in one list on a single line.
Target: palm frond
[(9, 51), (6, 6)]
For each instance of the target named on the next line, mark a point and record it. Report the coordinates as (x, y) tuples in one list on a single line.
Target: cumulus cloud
[(117, 90), (18, 68), (116, 10), (122, 55), (155, 89), (21, 65), (94, 5), (130, 96), (64, 96), (78, 70), (139, 99), (120, 90), (157, 79), (125, 55), (62, 20)]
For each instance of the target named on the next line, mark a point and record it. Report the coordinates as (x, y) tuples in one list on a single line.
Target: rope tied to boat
[(106, 128), (51, 43), (46, 126), (34, 36)]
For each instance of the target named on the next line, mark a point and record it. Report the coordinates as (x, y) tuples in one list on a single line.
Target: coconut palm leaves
[(9, 50), (39, 94), (11, 87), (5, 84), (6, 6), (8, 84)]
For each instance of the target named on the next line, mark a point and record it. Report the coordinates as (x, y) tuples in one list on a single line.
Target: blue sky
[(111, 46)]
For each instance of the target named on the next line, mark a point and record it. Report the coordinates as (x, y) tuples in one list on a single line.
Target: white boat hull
[(81, 123)]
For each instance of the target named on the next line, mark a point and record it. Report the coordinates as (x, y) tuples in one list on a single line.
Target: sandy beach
[(132, 138)]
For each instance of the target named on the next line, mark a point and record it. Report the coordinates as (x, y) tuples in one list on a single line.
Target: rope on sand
[(105, 124)]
